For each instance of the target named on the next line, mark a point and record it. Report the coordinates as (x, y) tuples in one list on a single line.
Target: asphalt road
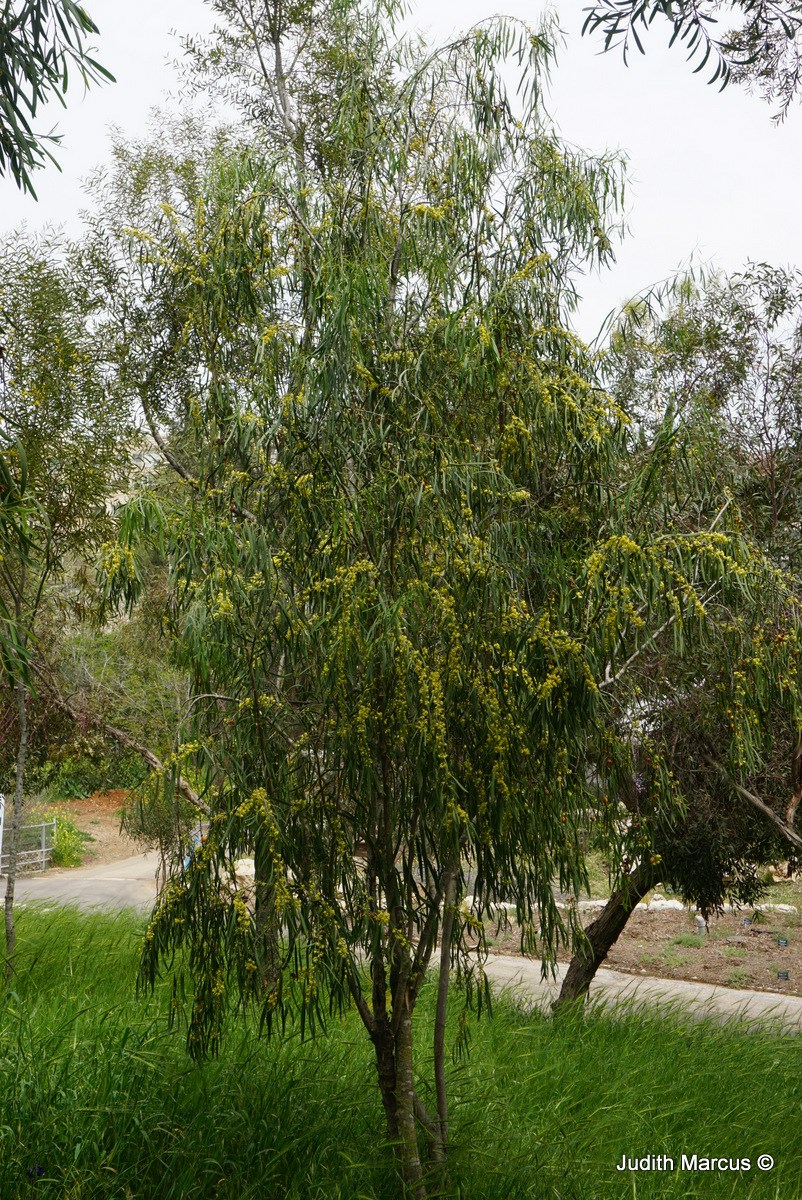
[(127, 883), (521, 978)]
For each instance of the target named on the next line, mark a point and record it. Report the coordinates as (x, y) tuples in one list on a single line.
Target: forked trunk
[(396, 1083), (384, 1047), (405, 1110), (603, 933)]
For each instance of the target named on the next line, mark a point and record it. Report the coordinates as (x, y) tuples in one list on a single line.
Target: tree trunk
[(440, 1146), (603, 933), (16, 822), (384, 1047), (405, 1110)]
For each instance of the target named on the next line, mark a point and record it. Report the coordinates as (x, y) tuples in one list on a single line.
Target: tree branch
[(785, 829), (177, 465), (130, 743), (125, 739)]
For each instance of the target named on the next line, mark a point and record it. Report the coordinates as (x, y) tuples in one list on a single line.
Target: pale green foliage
[(58, 403), (707, 370), (55, 397), (722, 356)]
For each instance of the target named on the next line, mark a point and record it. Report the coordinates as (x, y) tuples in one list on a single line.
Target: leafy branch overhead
[(41, 42), (759, 45)]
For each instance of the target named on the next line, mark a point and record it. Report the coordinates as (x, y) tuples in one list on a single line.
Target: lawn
[(99, 1096)]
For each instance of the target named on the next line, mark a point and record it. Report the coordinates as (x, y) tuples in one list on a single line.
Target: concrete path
[(521, 979), (127, 883)]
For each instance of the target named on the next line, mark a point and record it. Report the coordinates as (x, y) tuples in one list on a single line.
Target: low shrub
[(69, 843)]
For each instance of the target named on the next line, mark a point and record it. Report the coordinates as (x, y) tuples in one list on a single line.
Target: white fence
[(35, 845)]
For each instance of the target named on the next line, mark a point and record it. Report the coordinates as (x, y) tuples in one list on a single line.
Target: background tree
[(56, 400), (40, 41), (710, 377)]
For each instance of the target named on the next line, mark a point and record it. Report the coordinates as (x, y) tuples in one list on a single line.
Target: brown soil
[(99, 816), (664, 944)]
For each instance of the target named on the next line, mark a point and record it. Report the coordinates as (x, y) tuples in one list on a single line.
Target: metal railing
[(35, 844)]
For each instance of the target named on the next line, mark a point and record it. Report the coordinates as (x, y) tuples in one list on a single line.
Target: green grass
[(693, 941), (664, 958), (785, 891), (739, 978), (101, 1095), (598, 875)]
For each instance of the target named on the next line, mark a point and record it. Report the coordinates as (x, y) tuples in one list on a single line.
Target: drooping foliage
[(752, 42)]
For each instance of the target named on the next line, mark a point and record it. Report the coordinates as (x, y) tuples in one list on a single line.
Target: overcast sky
[(711, 176)]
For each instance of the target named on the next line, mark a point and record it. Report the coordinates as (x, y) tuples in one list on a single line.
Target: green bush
[(69, 843), (84, 766)]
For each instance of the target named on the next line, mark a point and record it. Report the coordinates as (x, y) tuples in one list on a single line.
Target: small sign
[(782, 975), (781, 941)]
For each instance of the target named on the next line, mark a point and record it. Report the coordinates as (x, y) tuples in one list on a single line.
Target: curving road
[(127, 883)]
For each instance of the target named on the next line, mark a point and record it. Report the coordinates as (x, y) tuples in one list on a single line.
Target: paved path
[(127, 883), (131, 882), (521, 978)]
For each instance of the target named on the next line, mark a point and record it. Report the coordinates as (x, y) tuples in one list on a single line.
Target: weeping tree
[(401, 569), (57, 400)]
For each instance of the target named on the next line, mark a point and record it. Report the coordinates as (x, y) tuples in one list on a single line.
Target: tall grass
[(98, 1093)]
